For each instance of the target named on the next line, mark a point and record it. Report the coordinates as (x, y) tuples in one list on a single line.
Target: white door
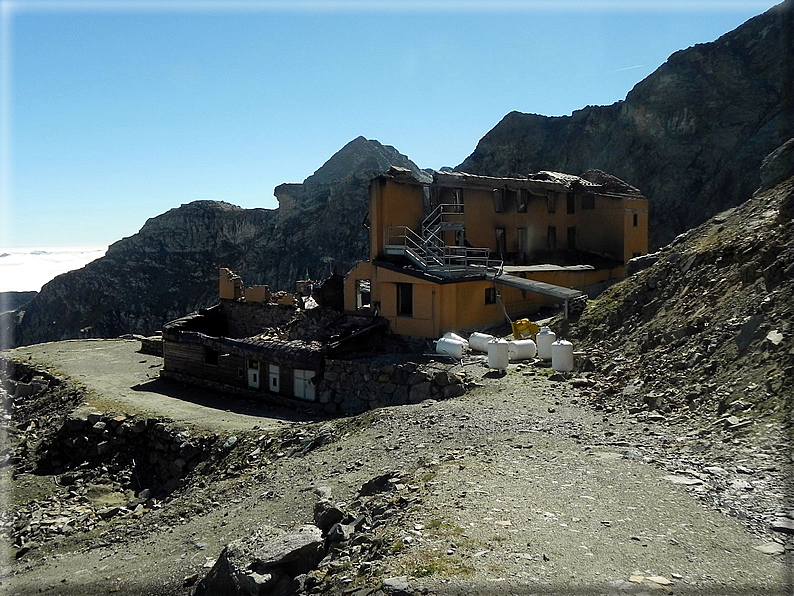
[(273, 383), (253, 374), (303, 388)]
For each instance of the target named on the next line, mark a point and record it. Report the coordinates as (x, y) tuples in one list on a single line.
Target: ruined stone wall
[(245, 319), (350, 386)]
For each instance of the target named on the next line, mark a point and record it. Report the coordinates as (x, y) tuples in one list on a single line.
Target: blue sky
[(114, 111)]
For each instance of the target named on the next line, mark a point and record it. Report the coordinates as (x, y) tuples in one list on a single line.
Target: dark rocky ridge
[(13, 300), (170, 267), (691, 135)]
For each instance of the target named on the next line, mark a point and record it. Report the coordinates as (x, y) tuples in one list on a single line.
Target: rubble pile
[(338, 553), (703, 332)]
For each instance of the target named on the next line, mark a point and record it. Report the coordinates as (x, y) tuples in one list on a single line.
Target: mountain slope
[(691, 136), (707, 328), (170, 267)]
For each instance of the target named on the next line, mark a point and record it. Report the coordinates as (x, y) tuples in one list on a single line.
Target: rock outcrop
[(691, 135), (170, 267)]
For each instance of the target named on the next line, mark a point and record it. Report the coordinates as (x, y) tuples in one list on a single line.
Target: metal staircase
[(428, 251)]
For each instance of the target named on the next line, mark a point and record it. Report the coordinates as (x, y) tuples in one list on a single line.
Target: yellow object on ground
[(523, 327)]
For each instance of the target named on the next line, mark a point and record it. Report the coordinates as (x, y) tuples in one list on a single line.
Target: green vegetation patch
[(427, 563)]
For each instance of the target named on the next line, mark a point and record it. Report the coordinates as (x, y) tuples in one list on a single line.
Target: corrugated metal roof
[(537, 287)]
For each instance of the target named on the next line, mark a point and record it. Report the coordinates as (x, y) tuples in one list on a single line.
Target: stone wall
[(354, 386), (245, 319), (159, 454)]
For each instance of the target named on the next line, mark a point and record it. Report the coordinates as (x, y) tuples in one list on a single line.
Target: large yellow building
[(464, 251)]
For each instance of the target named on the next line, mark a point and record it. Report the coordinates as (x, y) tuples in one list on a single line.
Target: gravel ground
[(513, 488)]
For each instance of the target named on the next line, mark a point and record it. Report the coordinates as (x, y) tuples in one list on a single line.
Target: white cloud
[(26, 269)]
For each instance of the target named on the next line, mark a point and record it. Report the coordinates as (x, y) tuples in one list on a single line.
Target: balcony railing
[(430, 255)]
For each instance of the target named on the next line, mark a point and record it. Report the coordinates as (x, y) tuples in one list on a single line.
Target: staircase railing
[(426, 252)]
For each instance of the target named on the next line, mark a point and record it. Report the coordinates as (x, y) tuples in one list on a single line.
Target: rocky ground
[(515, 487), (661, 465)]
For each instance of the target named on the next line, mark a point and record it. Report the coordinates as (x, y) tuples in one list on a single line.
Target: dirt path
[(121, 378), (511, 489)]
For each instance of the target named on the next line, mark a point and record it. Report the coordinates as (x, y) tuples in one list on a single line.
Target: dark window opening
[(523, 248), (572, 238), (571, 200), (457, 199), (522, 198), (636, 220), (588, 202), (501, 242), (499, 200), (405, 306), (551, 204), (490, 295), (510, 198), (551, 239), (210, 356)]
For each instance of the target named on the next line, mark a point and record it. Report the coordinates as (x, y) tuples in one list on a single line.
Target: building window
[(490, 295), (571, 201), (523, 247), (405, 301), (510, 198), (499, 200), (501, 243), (636, 220), (363, 294), (588, 201), (210, 356), (551, 238), (552, 203), (572, 238), (522, 198), (274, 378), (457, 199)]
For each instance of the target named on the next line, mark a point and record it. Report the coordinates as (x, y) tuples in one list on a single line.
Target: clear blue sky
[(114, 112)]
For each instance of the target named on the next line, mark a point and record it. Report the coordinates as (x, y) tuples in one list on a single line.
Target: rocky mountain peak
[(360, 155)]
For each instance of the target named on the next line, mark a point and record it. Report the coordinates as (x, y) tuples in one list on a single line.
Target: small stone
[(775, 337), (686, 481), (108, 512), (771, 548), (397, 586), (783, 524), (190, 580)]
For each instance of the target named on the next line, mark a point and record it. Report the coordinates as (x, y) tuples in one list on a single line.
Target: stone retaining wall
[(351, 387), (161, 455)]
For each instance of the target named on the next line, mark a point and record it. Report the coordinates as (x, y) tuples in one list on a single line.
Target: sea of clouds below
[(28, 269)]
